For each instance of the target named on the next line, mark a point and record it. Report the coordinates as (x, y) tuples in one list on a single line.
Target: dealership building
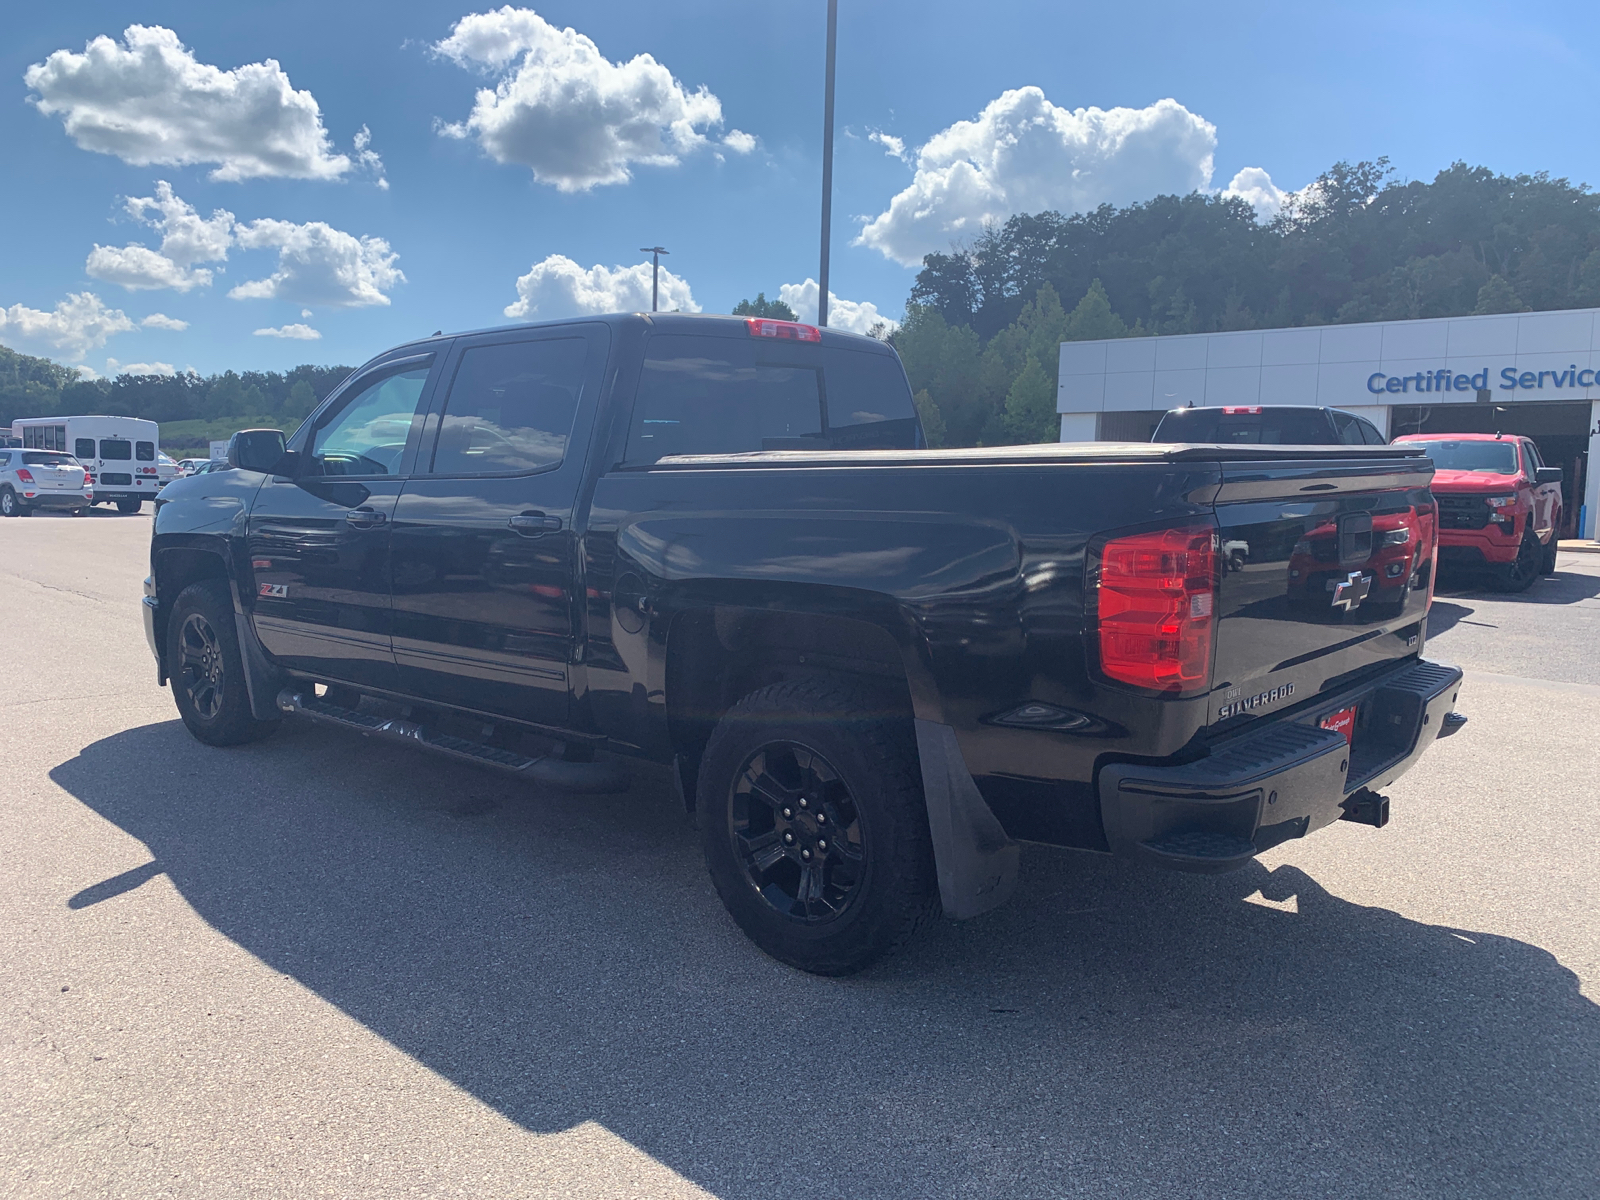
[(1536, 374)]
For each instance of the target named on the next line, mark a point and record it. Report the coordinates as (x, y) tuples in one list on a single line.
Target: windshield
[(44, 458), (1498, 458)]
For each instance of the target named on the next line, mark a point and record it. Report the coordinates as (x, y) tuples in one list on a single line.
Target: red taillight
[(790, 330), (1157, 600), (24, 475), (1253, 410)]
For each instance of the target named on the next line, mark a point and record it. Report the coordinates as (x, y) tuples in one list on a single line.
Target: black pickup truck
[(873, 668)]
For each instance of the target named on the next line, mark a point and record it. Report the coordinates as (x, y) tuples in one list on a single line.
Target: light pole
[(827, 164), (655, 253)]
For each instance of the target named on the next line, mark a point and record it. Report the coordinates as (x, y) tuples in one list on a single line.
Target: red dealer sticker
[(1343, 721)]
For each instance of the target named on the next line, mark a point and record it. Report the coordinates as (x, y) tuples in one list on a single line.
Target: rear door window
[(709, 395), (1370, 432), (511, 407), (1348, 429), (83, 447), (116, 450), (145, 451)]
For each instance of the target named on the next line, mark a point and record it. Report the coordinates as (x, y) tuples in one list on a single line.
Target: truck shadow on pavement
[(1113, 1030)]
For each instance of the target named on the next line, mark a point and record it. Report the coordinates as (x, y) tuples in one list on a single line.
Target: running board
[(558, 773)]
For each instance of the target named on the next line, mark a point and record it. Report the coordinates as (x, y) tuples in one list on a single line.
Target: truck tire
[(814, 825), (128, 507), (206, 669), (1518, 574), (1547, 563)]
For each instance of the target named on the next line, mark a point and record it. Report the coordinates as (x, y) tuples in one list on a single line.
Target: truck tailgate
[(1326, 574)]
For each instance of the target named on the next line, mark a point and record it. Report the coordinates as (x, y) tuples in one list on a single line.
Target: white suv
[(31, 479)]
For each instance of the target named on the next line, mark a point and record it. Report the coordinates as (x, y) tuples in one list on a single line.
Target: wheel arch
[(718, 653)]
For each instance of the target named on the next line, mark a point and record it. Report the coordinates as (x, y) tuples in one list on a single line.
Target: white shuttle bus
[(121, 454)]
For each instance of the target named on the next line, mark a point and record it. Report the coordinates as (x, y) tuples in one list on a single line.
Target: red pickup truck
[(1499, 505)]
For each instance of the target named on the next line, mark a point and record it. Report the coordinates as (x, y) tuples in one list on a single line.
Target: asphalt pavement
[(316, 966)]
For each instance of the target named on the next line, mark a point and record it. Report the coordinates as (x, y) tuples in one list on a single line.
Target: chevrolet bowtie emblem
[(1349, 593)]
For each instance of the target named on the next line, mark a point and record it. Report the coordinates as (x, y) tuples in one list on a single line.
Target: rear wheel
[(206, 669), (10, 506), (814, 825), (1518, 574), (129, 506)]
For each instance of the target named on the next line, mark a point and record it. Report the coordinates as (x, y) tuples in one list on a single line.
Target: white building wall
[(1332, 366)]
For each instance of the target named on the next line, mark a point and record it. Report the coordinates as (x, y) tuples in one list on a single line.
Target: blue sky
[(480, 198)]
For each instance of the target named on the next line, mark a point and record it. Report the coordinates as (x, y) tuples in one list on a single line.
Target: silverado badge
[(1250, 703)]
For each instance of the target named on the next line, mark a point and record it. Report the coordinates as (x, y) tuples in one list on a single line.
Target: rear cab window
[(1246, 426), (730, 395)]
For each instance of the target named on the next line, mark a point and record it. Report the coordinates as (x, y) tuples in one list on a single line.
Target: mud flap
[(262, 680), (976, 861)]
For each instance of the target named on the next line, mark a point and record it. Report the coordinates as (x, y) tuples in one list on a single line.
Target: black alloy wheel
[(201, 673), (797, 832), (1518, 574), (815, 830), (207, 672)]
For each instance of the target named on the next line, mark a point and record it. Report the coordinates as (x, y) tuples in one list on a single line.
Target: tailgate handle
[(1355, 538)]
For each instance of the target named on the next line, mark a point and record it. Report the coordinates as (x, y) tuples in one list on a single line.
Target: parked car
[(31, 479), (1499, 505), (188, 466), (119, 453), (1267, 425), (871, 668), (166, 469)]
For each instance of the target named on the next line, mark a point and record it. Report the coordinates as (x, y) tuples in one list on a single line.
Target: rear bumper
[(1273, 784), (58, 499)]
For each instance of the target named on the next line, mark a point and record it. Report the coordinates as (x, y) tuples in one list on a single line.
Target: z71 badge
[(1251, 703), (278, 590)]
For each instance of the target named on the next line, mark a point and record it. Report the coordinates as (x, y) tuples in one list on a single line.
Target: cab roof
[(1461, 437)]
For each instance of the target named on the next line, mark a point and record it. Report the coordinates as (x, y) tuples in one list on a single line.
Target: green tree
[(1093, 319), (302, 399), (1030, 409), (775, 310), (932, 419), (944, 362), (1498, 296)]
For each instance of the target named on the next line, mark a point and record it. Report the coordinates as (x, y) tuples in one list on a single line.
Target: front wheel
[(1518, 574), (206, 669), (814, 825), (1547, 563)]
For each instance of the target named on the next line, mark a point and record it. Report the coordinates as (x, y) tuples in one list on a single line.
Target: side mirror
[(256, 450), (1549, 475)]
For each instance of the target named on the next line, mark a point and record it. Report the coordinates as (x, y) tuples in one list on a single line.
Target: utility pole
[(827, 164), (655, 253)]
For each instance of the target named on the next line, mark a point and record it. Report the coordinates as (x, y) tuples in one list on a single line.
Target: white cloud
[(305, 312), (739, 141), (564, 110), (1255, 186), (187, 238), (79, 324), (318, 264), (300, 333), (559, 287), (162, 321), (113, 367), (892, 146), (852, 315), (148, 100), (368, 157), (1024, 154)]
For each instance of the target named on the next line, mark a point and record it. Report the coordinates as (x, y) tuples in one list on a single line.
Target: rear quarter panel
[(976, 571)]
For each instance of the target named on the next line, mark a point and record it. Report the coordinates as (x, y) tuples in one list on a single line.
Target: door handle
[(365, 517), (534, 524)]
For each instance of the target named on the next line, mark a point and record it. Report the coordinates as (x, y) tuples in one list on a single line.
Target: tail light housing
[(1156, 607), (24, 475)]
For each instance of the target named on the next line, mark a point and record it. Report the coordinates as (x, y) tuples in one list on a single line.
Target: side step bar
[(595, 777)]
